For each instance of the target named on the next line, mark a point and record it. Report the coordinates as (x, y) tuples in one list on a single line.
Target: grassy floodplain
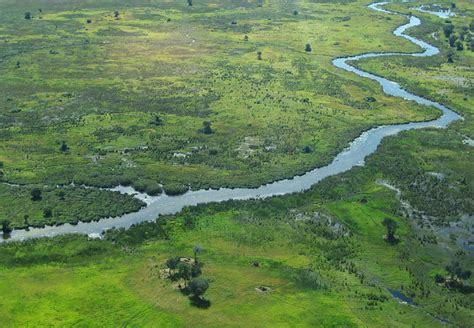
[(322, 252), (98, 88)]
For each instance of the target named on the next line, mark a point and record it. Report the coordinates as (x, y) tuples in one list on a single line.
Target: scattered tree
[(198, 287), (450, 58), (64, 147), (439, 279), (448, 29), (196, 250), (259, 55), (47, 212), (27, 15), (116, 14), (452, 40), (18, 64), (295, 12), (157, 121), (456, 274), (246, 38), (308, 48), (184, 272), (190, 3), (172, 262), (392, 227), (207, 128), (307, 149), (36, 194), (6, 227), (459, 45)]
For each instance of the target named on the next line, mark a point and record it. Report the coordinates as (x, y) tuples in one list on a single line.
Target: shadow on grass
[(199, 302)]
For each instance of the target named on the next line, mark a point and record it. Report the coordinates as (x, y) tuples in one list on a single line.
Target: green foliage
[(57, 205), (198, 286), (172, 262), (391, 227)]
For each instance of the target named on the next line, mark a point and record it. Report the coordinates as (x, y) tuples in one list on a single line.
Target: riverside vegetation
[(102, 100)]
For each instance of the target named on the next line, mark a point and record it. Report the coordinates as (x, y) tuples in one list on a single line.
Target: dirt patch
[(263, 289)]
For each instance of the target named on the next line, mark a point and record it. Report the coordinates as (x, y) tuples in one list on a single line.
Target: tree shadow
[(199, 302), (391, 241)]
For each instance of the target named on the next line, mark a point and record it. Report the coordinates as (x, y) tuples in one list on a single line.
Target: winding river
[(354, 155)]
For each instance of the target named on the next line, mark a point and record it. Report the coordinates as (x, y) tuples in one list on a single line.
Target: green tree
[(184, 272), (157, 121), (450, 58), (190, 3), (459, 45), (36, 194), (196, 250), (448, 29), (47, 212), (198, 287), (64, 147), (207, 128), (172, 262), (392, 227), (452, 40), (27, 15), (6, 227), (308, 48), (259, 55), (457, 273)]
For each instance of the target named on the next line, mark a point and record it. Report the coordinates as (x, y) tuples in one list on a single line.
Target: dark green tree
[(259, 55), (157, 121), (450, 58), (459, 45), (392, 227), (27, 15), (47, 212), (452, 40), (307, 149), (6, 227), (308, 48), (190, 3), (457, 273), (36, 194), (172, 262), (448, 29), (64, 147), (206, 128), (198, 287), (184, 272), (196, 250)]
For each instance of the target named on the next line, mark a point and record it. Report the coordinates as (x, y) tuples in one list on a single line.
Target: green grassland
[(99, 86), (321, 274), (321, 252)]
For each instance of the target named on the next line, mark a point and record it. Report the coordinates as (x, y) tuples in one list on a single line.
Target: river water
[(354, 155)]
